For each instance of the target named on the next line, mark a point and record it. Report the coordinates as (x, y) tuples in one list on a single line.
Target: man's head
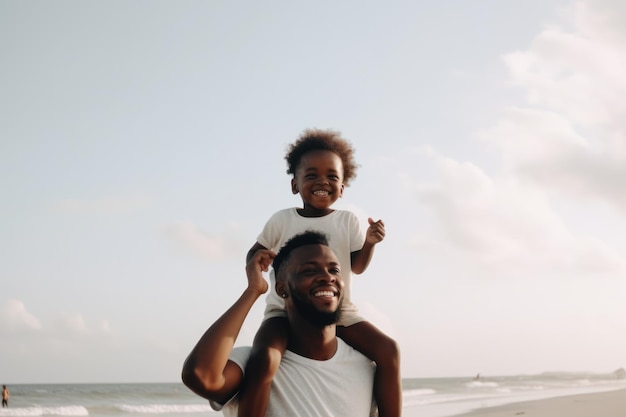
[(308, 277)]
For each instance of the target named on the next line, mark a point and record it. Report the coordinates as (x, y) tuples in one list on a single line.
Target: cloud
[(24, 336), (571, 136), (105, 205), (75, 323), (544, 147), (581, 71), (603, 19), (214, 246), (105, 326), (71, 327), (502, 224), (45, 347), (561, 153), (15, 317)]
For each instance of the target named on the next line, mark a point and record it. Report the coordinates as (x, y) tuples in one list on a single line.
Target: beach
[(544, 395), (445, 397), (600, 404)]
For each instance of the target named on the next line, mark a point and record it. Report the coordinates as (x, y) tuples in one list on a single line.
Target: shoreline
[(606, 404)]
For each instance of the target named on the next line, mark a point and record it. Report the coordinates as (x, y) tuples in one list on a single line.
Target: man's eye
[(335, 271)]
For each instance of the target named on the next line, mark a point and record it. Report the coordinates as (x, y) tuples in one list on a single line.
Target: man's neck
[(312, 342)]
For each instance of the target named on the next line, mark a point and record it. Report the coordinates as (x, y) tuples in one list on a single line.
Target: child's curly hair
[(325, 140)]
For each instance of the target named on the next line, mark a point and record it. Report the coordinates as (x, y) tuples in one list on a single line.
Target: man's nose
[(327, 276)]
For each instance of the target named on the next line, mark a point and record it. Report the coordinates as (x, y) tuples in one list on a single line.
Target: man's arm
[(207, 370), (360, 259)]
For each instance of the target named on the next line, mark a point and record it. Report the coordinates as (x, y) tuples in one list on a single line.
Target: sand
[(602, 404)]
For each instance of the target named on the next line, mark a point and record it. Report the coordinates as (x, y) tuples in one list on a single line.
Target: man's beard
[(312, 315)]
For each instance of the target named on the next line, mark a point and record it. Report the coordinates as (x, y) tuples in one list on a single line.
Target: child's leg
[(269, 345), (383, 350)]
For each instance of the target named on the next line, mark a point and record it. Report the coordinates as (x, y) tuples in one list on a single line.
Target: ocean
[(424, 397)]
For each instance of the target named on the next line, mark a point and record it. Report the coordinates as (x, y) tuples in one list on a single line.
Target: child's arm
[(208, 371), (256, 247), (361, 259)]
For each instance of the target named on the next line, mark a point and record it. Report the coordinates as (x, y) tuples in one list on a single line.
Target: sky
[(142, 146)]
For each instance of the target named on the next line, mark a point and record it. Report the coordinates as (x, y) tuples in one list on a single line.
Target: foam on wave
[(36, 411), (165, 408)]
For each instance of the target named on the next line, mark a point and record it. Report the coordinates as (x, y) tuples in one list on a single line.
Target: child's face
[(318, 179)]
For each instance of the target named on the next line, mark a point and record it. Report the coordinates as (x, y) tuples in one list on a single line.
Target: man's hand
[(376, 232), (258, 264)]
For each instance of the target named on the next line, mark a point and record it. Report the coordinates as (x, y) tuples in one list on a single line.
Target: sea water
[(441, 397), (424, 397)]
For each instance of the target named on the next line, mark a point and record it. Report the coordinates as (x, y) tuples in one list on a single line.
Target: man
[(319, 374), (5, 396)]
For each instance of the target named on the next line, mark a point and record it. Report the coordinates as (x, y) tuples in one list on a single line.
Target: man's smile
[(325, 293)]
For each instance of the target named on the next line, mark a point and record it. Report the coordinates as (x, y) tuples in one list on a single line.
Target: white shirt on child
[(345, 236)]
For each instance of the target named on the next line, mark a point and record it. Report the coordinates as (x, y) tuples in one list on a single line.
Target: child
[(321, 163)]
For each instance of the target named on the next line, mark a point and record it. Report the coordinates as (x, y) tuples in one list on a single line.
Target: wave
[(418, 392), (481, 384), (35, 411), (80, 411), (165, 408)]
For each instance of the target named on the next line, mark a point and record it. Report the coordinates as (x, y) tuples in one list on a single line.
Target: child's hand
[(259, 263), (376, 231)]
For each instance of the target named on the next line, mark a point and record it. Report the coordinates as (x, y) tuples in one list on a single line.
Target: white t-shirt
[(338, 387), (344, 234)]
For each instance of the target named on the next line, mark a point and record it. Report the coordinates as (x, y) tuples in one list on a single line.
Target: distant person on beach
[(5, 396), (319, 375), (322, 164)]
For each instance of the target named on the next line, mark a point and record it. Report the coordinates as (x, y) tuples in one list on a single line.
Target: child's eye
[(335, 271)]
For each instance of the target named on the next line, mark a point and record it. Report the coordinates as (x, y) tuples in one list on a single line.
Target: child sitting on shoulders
[(322, 164)]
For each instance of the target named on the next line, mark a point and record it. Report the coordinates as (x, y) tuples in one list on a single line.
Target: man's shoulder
[(344, 350), (239, 356)]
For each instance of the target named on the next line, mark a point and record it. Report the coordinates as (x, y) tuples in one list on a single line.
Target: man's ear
[(281, 289), (294, 186)]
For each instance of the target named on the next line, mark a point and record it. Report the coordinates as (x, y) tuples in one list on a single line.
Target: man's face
[(314, 284)]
